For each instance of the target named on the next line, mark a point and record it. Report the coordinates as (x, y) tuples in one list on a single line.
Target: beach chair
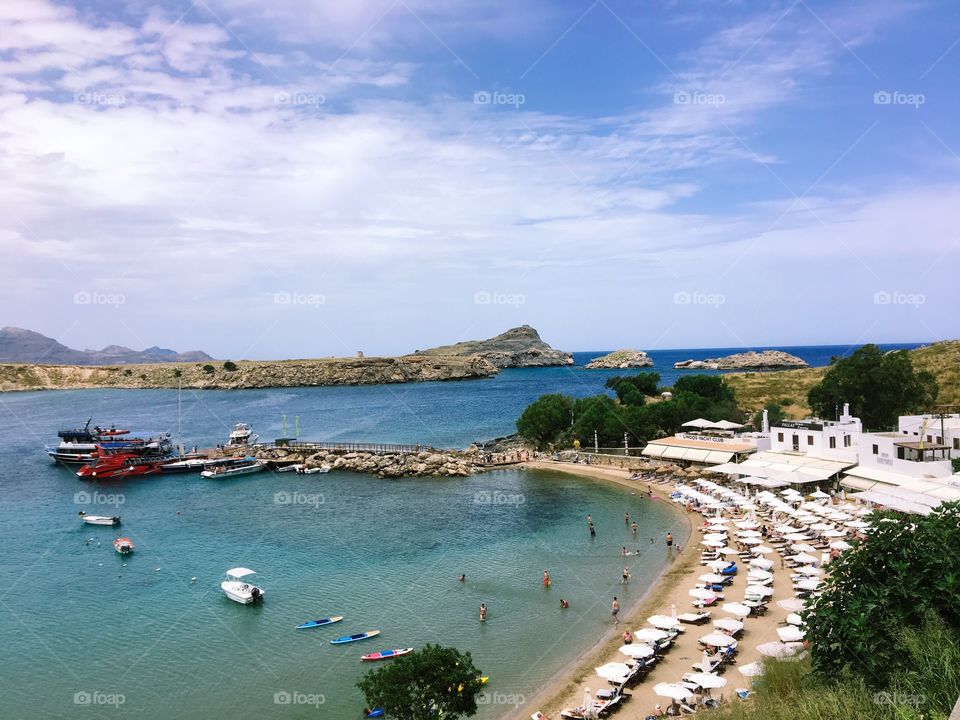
[(694, 618)]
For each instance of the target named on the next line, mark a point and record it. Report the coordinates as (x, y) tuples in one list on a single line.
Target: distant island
[(519, 347), (26, 346), (768, 359), (621, 359)]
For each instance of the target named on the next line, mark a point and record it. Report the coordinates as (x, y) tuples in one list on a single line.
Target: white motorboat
[(249, 465), (293, 467), (239, 591), (242, 435), (99, 519), (314, 470)]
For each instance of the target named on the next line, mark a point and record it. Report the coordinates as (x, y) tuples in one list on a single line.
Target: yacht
[(242, 435)]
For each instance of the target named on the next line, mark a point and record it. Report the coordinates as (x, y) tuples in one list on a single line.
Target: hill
[(517, 347), (26, 346)]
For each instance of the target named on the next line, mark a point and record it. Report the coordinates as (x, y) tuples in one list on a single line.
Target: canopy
[(651, 634), (613, 671), (737, 609), (664, 622), (790, 634), (751, 669), (239, 572), (791, 604), (706, 680), (726, 425), (728, 624), (717, 639), (637, 650), (699, 423), (672, 690), (819, 494)]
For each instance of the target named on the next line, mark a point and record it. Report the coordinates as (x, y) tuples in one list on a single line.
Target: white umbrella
[(775, 650), (809, 584), (712, 578), (747, 525), (762, 576), (832, 533), (651, 635), (790, 634), (803, 558), (728, 624), (664, 622), (761, 550), (637, 650), (718, 564), (712, 543), (858, 524), (809, 570), (797, 537), (794, 619), (750, 669), (803, 548), (821, 526), (755, 591), (820, 495), (672, 690), (587, 703), (707, 681), (737, 609), (751, 541), (717, 639), (783, 529), (791, 604), (761, 563), (702, 593), (749, 533), (716, 536), (840, 545), (613, 671), (729, 551)]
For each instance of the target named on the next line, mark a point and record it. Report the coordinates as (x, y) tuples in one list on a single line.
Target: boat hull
[(241, 592)]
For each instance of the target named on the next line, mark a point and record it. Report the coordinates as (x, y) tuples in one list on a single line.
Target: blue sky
[(297, 179)]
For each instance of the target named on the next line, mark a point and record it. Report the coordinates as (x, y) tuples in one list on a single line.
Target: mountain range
[(26, 346)]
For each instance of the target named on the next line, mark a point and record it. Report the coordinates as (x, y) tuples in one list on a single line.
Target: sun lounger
[(694, 618)]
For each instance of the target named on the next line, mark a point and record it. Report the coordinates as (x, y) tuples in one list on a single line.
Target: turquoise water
[(78, 618)]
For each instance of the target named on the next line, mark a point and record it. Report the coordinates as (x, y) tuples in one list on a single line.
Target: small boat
[(319, 623), (355, 638), (376, 712), (239, 591), (314, 470), (245, 467), (386, 654), (99, 519), (290, 467), (123, 545)]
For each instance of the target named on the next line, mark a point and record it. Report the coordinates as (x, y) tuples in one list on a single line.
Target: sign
[(703, 438)]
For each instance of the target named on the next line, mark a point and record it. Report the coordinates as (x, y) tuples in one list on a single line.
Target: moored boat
[(242, 435), (117, 465), (239, 591), (243, 467), (123, 545), (99, 519), (355, 637), (385, 654)]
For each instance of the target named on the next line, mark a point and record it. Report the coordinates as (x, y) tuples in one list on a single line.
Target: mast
[(179, 424)]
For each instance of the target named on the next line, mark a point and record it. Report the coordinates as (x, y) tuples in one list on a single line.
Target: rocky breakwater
[(517, 347), (425, 463), (620, 359), (766, 360)]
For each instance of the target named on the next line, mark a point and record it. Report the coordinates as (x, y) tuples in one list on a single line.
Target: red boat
[(120, 465), (386, 654)]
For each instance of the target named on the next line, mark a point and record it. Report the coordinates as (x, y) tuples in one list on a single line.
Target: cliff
[(518, 347), (768, 359), (620, 359)]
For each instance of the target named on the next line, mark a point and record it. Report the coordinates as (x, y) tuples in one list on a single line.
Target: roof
[(835, 464), (716, 453), (918, 445), (239, 572), (938, 488), (705, 444)]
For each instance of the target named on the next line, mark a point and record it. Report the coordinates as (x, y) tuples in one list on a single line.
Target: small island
[(620, 359), (765, 360)]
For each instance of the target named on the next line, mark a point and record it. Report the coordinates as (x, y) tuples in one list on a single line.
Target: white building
[(825, 439), (940, 429)]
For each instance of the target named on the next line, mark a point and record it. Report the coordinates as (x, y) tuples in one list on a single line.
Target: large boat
[(242, 435), (239, 591), (86, 445), (241, 467), (121, 464)]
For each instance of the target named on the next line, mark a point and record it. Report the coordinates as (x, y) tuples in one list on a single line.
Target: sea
[(90, 634)]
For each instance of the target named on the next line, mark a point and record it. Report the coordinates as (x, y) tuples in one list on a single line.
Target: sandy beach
[(566, 689)]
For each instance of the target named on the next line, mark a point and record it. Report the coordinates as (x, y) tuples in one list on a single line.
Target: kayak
[(483, 681), (386, 654), (376, 712), (319, 623), (354, 638)]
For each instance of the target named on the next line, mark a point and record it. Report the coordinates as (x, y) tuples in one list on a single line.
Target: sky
[(305, 178)]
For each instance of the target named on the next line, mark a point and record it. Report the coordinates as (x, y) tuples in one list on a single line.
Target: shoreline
[(567, 681)]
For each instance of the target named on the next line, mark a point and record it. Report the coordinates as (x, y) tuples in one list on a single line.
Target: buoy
[(157, 570), (193, 579)]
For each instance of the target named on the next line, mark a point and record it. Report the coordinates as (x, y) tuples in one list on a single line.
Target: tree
[(906, 572), (432, 683), (208, 369), (879, 387), (546, 418), (775, 415), (711, 387), (230, 366), (634, 389), (597, 414)]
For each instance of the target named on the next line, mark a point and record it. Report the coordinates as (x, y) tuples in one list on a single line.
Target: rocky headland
[(765, 360), (517, 347), (620, 359)]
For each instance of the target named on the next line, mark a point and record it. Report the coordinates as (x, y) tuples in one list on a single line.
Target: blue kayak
[(376, 712), (319, 623), (354, 638)]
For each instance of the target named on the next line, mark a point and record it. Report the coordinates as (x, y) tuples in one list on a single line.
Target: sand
[(566, 689)]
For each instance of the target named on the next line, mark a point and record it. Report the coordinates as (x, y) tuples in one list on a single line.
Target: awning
[(716, 456), (730, 468), (939, 488), (894, 502), (695, 455), (653, 450), (673, 453)]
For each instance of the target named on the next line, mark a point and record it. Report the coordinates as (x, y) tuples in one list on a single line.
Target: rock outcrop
[(427, 463), (248, 373), (518, 347), (620, 359), (766, 360)]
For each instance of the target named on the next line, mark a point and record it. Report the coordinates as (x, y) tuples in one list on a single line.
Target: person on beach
[(483, 612), (546, 579), (564, 604), (615, 610), (626, 576), (627, 637), (669, 541), (658, 711)]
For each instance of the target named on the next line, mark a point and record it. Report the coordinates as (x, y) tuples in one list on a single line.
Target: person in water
[(626, 576), (626, 518), (623, 551), (564, 604), (593, 530), (589, 519), (483, 612), (669, 541), (615, 610), (463, 578), (546, 579), (633, 528)]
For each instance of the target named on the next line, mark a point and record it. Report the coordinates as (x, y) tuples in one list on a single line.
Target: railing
[(357, 447)]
